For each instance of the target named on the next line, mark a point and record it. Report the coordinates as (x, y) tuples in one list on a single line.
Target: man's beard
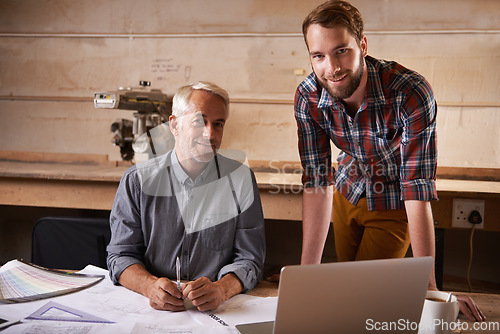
[(346, 91), (196, 150), (206, 156)]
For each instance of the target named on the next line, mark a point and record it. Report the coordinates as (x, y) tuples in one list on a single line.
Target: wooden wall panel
[(55, 54)]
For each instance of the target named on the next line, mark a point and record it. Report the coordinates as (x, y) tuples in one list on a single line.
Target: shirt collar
[(375, 92), (184, 179), (326, 100)]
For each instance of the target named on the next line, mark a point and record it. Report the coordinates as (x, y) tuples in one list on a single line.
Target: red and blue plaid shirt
[(388, 150)]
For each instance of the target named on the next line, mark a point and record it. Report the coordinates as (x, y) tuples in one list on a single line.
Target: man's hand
[(161, 292), (469, 308), (207, 295), (163, 295)]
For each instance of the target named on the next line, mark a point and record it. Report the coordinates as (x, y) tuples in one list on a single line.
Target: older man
[(193, 204)]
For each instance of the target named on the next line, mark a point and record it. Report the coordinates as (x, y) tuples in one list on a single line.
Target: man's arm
[(421, 226), (316, 217), (207, 295), (161, 292)]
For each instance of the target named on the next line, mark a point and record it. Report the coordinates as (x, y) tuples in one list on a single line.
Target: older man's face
[(201, 128)]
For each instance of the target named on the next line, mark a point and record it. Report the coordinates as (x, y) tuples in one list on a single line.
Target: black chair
[(70, 243)]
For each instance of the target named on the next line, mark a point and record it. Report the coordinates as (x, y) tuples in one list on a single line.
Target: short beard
[(347, 91), (204, 157)]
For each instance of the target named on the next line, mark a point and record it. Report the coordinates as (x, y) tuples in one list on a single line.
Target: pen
[(178, 271)]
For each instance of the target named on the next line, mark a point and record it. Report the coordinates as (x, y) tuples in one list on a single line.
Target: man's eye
[(341, 51), (199, 121)]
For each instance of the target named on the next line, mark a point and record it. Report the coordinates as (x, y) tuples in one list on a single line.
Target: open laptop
[(384, 296)]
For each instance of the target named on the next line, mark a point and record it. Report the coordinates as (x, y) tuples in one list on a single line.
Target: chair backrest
[(70, 243)]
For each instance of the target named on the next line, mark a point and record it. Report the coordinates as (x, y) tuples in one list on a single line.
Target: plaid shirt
[(388, 150)]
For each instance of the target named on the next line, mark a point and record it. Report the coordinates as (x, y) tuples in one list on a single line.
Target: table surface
[(110, 173), (489, 304), (92, 185)]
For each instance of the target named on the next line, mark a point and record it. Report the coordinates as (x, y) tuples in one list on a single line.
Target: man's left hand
[(205, 294), (469, 308)]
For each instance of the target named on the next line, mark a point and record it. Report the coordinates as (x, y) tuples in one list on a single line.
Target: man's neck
[(195, 169), (191, 167), (354, 102)]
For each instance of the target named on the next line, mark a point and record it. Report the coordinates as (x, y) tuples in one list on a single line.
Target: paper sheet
[(242, 309), (141, 328), (57, 329), (131, 311)]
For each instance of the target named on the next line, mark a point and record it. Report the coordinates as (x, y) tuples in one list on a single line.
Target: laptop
[(376, 296)]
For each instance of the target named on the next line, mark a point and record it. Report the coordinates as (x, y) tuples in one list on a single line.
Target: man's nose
[(334, 65), (209, 131)]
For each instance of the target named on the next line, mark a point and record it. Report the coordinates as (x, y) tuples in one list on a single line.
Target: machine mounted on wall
[(153, 108)]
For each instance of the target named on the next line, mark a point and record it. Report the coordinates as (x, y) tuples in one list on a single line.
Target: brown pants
[(368, 235)]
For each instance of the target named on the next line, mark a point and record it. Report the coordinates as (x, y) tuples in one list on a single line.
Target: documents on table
[(131, 312), (142, 328), (240, 309)]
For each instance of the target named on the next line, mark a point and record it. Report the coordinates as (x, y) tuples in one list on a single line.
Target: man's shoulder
[(146, 169), (308, 95), (394, 76), (231, 162), (153, 163)]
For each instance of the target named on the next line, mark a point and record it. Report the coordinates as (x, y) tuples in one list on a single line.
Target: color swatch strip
[(21, 281)]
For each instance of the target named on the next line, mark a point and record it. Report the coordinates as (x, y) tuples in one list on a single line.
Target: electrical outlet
[(462, 209)]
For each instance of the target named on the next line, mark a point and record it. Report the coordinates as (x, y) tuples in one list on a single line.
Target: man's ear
[(364, 46), (173, 123)]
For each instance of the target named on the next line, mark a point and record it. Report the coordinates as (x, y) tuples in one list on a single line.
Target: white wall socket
[(462, 209)]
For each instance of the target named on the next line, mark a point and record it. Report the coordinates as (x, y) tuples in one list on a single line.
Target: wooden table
[(91, 184)]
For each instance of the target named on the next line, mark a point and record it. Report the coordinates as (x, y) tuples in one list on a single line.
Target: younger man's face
[(336, 58)]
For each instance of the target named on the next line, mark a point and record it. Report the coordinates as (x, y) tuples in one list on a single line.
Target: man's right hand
[(161, 292), (163, 295)]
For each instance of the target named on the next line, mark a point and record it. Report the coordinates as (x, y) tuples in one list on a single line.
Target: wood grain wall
[(55, 54)]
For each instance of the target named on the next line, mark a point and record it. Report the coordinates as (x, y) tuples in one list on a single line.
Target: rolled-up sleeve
[(418, 146), (126, 246)]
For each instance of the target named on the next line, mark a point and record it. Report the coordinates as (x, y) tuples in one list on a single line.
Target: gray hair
[(181, 97)]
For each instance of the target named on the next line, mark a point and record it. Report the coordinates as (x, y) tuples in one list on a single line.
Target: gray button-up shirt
[(214, 224)]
